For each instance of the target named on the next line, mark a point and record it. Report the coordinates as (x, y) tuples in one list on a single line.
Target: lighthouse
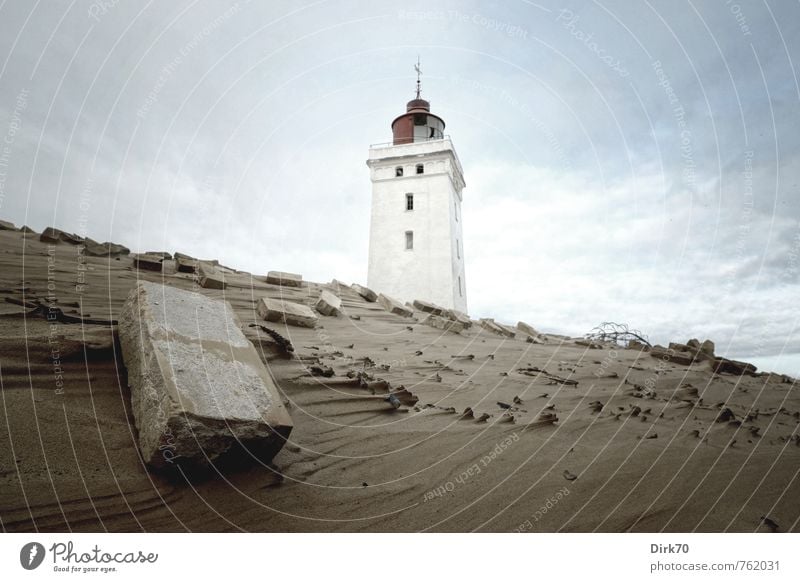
[(416, 246)]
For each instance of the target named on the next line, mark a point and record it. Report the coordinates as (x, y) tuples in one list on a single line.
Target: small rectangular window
[(458, 250), (409, 240), (398, 171), (409, 202), (420, 168), (460, 294), (456, 207)]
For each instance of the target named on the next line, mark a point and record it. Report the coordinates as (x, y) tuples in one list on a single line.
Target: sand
[(560, 437)]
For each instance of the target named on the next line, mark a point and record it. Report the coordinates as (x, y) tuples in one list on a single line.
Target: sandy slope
[(68, 458)]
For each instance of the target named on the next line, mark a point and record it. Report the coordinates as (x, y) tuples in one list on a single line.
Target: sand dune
[(398, 426)]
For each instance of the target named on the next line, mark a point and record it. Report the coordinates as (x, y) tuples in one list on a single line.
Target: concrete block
[(339, 287), (286, 311), (365, 292), (106, 249), (498, 328), (147, 262), (394, 306), (185, 265), (198, 387), (284, 279), (444, 324), (5, 225), (210, 277), (528, 329), (460, 317), (428, 307), (328, 303), (50, 235)]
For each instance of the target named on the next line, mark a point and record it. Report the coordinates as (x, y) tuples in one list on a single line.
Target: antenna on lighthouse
[(418, 69)]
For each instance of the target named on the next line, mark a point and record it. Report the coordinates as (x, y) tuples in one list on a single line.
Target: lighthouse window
[(420, 168), (458, 250), (398, 171), (409, 202), (409, 240), (460, 293)]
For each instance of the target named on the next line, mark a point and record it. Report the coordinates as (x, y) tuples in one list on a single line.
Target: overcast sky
[(625, 161)]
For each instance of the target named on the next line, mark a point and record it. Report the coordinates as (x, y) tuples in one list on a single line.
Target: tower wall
[(431, 270)]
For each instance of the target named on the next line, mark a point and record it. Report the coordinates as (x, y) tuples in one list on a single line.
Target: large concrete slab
[(394, 306), (5, 225), (328, 303), (198, 386), (284, 279), (365, 292), (286, 311)]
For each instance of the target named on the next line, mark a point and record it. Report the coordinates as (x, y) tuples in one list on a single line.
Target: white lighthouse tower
[(416, 246)]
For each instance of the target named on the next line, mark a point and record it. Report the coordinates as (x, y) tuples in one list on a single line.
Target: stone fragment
[(147, 262), (106, 249), (670, 355), (50, 235), (428, 307), (210, 277), (161, 254), (5, 225), (184, 264), (328, 303), (284, 279), (394, 306), (287, 312), (491, 325), (528, 329), (365, 292), (444, 324), (338, 286), (198, 387), (73, 239), (726, 366), (637, 345), (27, 229), (707, 347), (460, 317)]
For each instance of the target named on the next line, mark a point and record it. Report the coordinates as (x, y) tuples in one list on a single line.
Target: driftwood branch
[(617, 332)]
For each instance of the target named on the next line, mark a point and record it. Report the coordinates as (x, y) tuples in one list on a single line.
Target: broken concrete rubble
[(147, 262), (328, 303), (394, 306), (286, 311), (365, 292), (428, 307), (284, 279), (444, 323), (491, 325), (210, 277)]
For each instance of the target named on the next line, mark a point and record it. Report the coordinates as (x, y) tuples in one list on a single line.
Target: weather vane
[(418, 69)]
